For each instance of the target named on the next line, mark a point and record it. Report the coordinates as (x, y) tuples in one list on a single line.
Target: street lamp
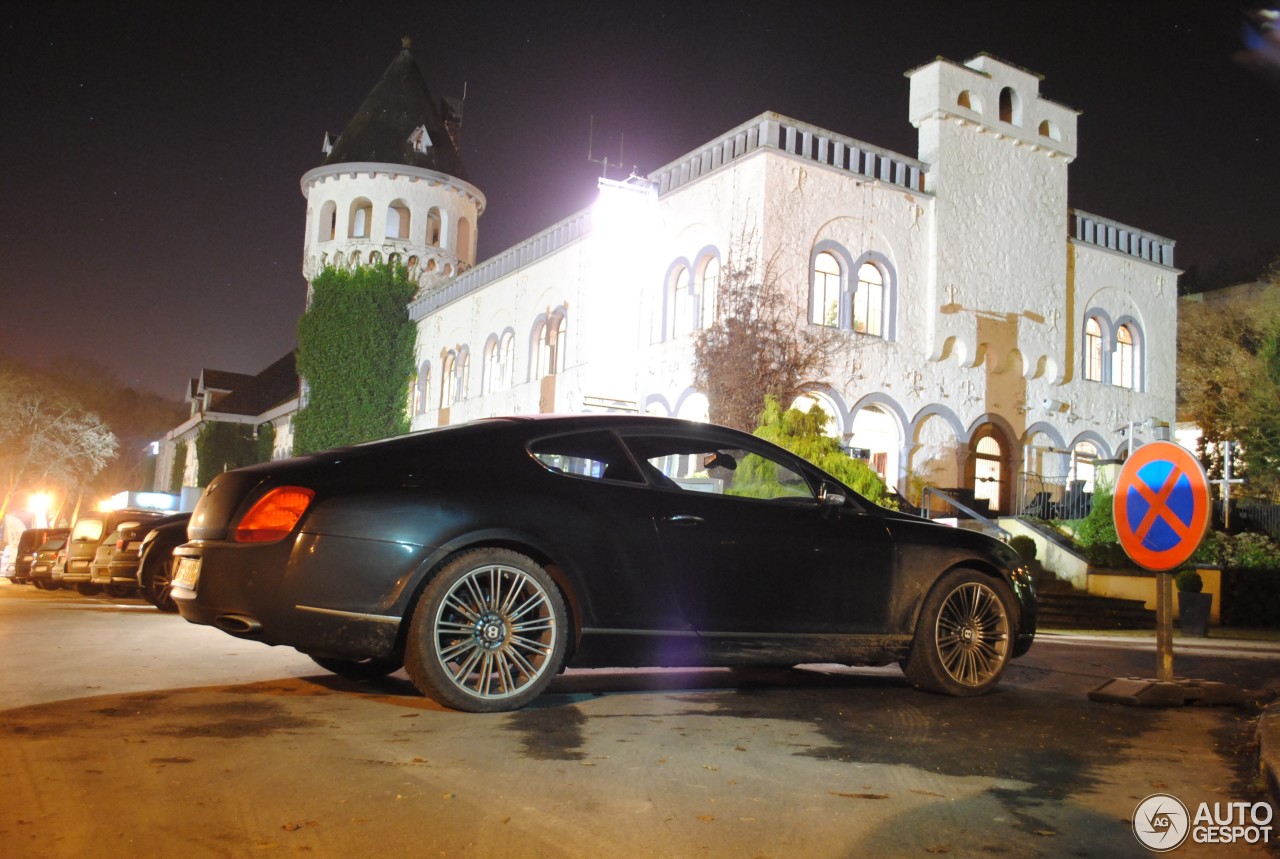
[(38, 503)]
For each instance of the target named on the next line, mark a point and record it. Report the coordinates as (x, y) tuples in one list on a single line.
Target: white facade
[(993, 292), (992, 335)]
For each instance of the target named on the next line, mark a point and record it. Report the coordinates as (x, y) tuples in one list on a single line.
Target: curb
[(1269, 751)]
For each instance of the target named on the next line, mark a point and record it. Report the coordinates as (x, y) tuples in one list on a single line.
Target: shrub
[(1024, 546), (1189, 581)]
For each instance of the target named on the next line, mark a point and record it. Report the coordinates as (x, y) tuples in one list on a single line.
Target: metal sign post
[(1162, 511)]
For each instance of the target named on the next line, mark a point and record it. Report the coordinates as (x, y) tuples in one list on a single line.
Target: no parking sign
[(1162, 506)]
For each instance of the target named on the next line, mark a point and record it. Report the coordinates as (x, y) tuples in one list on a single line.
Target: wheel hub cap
[(491, 630)]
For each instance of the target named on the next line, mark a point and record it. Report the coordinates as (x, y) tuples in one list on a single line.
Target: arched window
[(433, 227), (559, 344), (422, 391), (868, 301), (328, 221), (1123, 371), (708, 286), (824, 302), (398, 220), (361, 218), (448, 380), (1010, 106), (489, 367), (551, 346), (463, 250), (506, 360), (464, 374), (1092, 350), (679, 304)]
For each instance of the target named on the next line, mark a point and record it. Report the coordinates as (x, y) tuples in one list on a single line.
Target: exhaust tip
[(238, 624)]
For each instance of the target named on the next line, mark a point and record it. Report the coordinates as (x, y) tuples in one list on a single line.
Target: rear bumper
[(340, 600)]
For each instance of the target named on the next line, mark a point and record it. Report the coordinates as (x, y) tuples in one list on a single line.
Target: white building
[(992, 331)]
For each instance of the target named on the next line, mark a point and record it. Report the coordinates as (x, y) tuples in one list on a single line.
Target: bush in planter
[(1024, 546), (1189, 581)]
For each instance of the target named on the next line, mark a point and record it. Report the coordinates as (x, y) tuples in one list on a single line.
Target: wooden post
[(1164, 627)]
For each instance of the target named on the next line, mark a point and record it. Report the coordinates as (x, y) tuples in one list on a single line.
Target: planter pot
[(1193, 612)]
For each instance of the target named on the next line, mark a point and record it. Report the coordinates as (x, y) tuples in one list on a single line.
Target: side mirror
[(831, 499)]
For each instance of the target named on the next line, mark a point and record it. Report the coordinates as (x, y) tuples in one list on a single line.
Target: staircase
[(1063, 607)]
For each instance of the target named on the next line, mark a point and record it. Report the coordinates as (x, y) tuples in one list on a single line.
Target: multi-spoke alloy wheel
[(963, 637), (488, 633)]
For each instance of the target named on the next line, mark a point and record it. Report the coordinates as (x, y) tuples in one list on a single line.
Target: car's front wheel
[(488, 632), (963, 638)]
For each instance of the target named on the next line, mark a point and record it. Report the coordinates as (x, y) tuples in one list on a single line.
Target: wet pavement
[(126, 732)]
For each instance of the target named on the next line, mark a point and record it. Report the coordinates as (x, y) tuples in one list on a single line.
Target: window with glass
[(824, 304), (868, 301), (1122, 360), (707, 292), (448, 380), (679, 304), (1092, 350), (698, 465)]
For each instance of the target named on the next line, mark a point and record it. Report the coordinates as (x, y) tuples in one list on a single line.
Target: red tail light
[(274, 515)]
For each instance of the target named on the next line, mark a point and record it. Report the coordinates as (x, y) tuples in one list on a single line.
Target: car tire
[(488, 633), (154, 577), (964, 636), (120, 591), (358, 669), (86, 589)]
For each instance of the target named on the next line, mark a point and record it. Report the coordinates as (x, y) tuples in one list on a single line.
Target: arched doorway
[(988, 472)]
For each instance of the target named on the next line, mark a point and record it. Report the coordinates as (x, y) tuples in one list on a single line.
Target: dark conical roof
[(384, 129)]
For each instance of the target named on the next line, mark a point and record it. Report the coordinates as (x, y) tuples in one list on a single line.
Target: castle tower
[(998, 156), (392, 186)]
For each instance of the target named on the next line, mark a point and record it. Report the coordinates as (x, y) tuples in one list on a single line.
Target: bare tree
[(761, 343), (46, 438)]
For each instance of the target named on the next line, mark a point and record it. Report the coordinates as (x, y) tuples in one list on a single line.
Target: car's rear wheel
[(155, 576), (87, 589), (963, 638), (358, 669), (488, 633), (120, 591)]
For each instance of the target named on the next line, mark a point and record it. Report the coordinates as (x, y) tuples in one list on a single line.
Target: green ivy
[(266, 442), (355, 355), (179, 465), (221, 446)]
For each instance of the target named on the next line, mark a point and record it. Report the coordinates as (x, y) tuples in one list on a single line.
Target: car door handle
[(683, 519)]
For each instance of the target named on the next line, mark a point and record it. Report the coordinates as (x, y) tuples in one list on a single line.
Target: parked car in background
[(28, 542), (155, 560), (48, 555), (115, 564), (485, 557), (87, 534)]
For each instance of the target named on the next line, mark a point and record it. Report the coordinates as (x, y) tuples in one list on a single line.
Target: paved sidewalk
[(1238, 644)]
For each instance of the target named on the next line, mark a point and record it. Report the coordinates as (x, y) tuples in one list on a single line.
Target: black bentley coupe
[(486, 557)]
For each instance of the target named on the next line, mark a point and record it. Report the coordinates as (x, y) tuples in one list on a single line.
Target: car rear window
[(597, 455), (87, 530)]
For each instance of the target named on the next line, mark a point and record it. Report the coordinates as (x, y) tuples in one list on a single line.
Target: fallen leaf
[(706, 818), (928, 793), (859, 795), (1045, 832)]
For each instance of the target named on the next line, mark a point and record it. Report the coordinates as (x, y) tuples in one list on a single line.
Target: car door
[(752, 547)]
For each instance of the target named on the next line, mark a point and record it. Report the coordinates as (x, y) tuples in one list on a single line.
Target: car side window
[(596, 455), (699, 466)]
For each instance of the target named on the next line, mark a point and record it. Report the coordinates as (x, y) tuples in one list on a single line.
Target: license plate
[(187, 574)]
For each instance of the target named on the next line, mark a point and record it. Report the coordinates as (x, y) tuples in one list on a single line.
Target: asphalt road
[(127, 732)]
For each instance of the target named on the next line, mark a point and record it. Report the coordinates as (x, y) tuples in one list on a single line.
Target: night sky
[(151, 153)]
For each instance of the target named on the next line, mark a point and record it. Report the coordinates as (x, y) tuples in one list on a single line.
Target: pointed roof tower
[(401, 123)]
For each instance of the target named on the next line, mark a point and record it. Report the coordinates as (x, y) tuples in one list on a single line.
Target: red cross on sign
[(1162, 506)]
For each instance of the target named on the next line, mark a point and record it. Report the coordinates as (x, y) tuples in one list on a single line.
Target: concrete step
[(1077, 610)]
